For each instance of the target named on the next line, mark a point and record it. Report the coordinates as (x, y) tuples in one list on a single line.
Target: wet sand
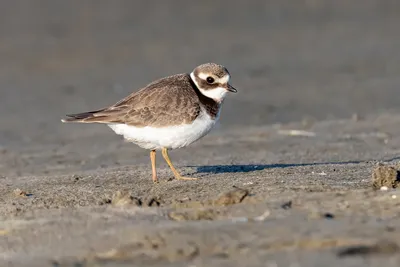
[(77, 195)]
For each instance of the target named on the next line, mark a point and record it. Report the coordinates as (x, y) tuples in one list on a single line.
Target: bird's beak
[(230, 88)]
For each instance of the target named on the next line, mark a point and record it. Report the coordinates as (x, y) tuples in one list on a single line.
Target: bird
[(168, 113)]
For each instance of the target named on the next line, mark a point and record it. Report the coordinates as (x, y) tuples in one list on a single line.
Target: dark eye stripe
[(202, 84)]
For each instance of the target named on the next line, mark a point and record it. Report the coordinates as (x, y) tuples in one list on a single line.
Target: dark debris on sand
[(384, 247)]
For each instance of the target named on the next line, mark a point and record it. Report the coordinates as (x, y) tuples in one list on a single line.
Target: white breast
[(169, 137)]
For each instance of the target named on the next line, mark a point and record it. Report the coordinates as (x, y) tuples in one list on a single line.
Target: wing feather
[(159, 104)]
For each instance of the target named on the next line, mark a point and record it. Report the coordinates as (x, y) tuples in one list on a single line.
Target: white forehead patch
[(202, 76), (224, 79)]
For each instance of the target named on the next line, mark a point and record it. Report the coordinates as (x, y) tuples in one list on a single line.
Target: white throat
[(218, 94)]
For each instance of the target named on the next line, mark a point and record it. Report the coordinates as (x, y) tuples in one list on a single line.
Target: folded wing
[(168, 101)]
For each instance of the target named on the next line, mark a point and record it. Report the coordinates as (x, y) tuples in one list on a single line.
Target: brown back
[(168, 101)]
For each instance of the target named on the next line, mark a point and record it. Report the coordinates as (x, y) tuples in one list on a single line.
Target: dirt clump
[(194, 215), (124, 198), (231, 197), (384, 175)]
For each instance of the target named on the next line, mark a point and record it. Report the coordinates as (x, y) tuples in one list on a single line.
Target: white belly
[(169, 137)]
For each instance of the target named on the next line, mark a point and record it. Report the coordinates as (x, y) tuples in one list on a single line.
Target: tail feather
[(83, 117)]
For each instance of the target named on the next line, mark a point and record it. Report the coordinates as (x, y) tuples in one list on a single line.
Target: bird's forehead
[(212, 69)]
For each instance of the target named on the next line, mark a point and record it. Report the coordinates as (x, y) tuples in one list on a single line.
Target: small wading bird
[(169, 113)]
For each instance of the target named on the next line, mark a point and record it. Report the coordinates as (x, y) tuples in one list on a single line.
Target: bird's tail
[(85, 117)]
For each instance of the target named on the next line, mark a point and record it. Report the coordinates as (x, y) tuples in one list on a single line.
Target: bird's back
[(168, 101)]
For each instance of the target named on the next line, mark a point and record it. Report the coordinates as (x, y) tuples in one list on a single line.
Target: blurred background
[(290, 60)]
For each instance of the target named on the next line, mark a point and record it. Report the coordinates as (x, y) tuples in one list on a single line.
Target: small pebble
[(329, 215)]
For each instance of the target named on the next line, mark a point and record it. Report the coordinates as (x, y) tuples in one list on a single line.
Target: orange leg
[(153, 165), (174, 171)]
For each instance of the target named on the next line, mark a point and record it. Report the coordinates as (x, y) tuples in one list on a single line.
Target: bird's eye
[(210, 80)]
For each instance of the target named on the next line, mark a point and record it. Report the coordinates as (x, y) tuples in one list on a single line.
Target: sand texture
[(292, 175)]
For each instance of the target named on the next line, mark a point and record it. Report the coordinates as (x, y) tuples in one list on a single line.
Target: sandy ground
[(77, 195)]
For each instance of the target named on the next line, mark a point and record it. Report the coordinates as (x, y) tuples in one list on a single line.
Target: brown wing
[(168, 101)]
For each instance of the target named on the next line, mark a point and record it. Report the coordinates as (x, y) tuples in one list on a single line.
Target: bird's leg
[(153, 165), (176, 173)]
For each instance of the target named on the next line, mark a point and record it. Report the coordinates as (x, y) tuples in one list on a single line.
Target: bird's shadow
[(258, 167)]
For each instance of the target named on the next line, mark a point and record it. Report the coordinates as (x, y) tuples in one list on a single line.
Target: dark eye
[(210, 80)]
